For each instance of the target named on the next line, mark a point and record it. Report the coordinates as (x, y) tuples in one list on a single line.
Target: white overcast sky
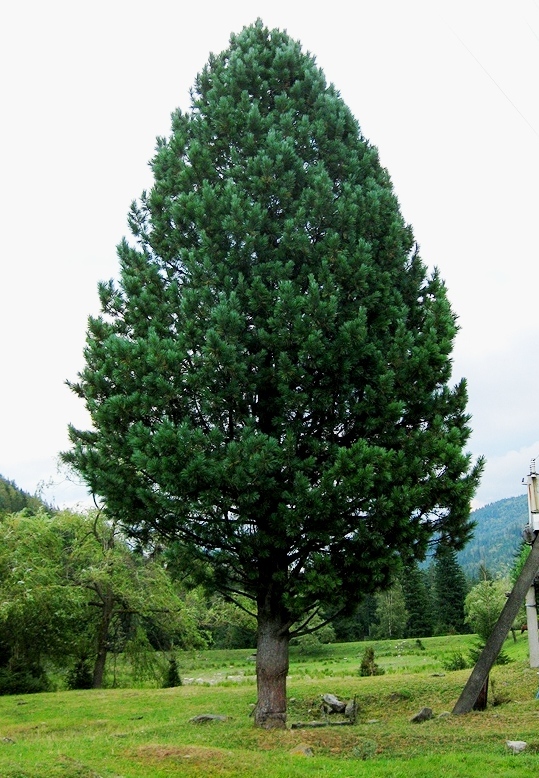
[(446, 89)]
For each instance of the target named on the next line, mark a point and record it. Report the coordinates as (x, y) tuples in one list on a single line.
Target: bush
[(23, 679), (368, 665), (475, 652), (80, 676), (172, 675), (455, 661)]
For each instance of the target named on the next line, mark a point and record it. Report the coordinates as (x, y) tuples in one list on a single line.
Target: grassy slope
[(146, 733)]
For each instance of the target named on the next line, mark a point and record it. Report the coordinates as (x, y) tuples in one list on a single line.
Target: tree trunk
[(271, 671), (102, 640)]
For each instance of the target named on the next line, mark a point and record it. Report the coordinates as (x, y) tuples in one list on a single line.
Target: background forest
[(76, 598)]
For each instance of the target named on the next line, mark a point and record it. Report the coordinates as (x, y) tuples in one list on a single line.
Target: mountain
[(497, 536)]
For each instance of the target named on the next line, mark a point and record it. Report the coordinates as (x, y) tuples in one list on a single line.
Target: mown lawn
[(147, 733)]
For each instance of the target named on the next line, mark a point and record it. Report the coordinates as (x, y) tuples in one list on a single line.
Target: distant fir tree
[(419, 602), (450, 592), (357, 625)]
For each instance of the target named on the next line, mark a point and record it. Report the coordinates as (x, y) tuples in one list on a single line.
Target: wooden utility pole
[(533, 634), (532, 482), (479, 676)]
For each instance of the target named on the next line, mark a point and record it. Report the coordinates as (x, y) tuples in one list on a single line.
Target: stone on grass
[(516, 746), (203, 718), (302, 749), (332, 704), (424, 715)]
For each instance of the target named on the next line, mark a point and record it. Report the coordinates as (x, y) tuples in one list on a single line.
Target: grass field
[(147, 733)]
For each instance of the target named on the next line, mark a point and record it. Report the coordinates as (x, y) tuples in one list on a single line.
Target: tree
[(39, 616), (418, 602), (391, 613), (450, 592), (268, 381), (66, 582), (483, 605)]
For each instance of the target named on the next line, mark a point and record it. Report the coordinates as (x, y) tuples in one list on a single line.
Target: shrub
[(368, 665), (23, 678), (172, 675), (80, 676), (455, 661)]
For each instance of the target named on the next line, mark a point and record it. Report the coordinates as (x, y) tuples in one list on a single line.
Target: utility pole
[(523, 589), (533, 527)]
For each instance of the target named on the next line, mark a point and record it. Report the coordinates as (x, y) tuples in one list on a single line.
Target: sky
[(447, 91)]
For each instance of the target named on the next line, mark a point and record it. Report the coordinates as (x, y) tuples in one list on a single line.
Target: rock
[(7, 740), (350, 710), (203, 718), (444, 715), (302, 749), (424, 715), (332, 704), (516, 746)]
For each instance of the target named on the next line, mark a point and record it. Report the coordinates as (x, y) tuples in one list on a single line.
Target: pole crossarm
[(479, 675)]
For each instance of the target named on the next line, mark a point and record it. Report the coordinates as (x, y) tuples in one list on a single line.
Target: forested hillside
[(497, 536), (13, 499)]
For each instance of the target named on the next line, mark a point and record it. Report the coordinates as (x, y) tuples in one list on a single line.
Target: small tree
[(368, 665), (391, 613), (268, 382), (483, 605)]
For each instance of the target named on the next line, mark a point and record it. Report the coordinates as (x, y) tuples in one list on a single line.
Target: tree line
[(76, 594)]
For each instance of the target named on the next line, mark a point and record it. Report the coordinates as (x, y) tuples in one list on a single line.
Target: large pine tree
[(269, 379)]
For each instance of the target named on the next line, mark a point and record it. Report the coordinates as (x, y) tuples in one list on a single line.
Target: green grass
[(146, 732)]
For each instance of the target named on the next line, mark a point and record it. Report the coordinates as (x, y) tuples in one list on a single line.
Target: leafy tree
[(269, 379), (39, 614), (391, 613), (450, 592), (66, 582), (483, 605)]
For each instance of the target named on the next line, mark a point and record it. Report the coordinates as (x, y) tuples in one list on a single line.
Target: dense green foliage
[(71, 591), (483, 605), (269, 379)]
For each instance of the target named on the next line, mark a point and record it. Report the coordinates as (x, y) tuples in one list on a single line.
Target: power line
[(532, 128)]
